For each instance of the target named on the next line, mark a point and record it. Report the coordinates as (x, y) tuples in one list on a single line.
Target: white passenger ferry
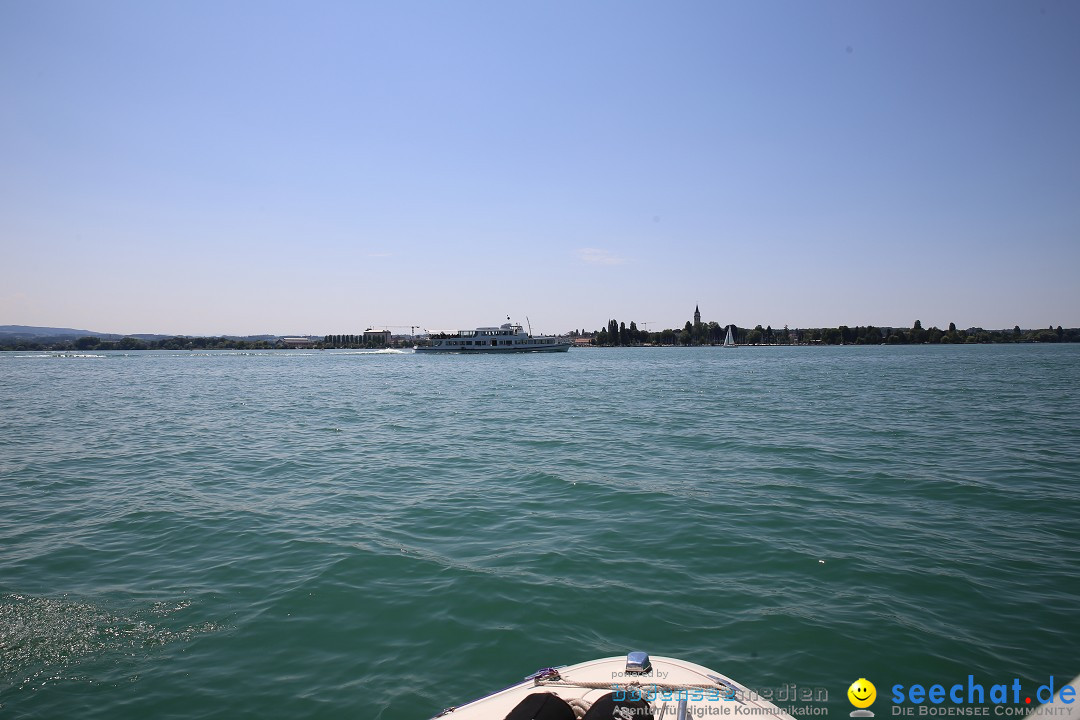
[(507, 338)]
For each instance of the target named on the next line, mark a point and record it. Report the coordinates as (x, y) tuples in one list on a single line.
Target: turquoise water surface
[(303, 534)]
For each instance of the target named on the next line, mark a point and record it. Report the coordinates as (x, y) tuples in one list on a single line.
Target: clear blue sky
[(319, 167)]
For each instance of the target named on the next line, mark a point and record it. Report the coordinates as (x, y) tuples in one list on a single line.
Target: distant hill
[(30, 332)]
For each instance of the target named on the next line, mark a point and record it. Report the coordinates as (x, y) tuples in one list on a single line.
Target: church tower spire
[(697, 315)]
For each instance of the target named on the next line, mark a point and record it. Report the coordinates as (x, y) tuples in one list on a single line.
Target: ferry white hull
[(507, 338), (469, 350), (671, 686)]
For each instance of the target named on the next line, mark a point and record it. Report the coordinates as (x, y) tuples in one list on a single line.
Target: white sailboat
[(729, 341)]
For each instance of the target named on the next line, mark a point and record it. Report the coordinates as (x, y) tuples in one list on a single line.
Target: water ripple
[(330, 534)]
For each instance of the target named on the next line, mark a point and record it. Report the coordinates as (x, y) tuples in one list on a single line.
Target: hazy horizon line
[(71, 330)]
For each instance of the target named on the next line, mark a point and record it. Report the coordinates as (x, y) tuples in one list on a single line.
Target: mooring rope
[(632, 686)]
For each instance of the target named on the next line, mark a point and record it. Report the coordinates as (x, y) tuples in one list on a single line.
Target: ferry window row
[(534, 341)]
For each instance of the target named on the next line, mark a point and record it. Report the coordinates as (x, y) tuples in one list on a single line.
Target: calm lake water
[(304, 534)]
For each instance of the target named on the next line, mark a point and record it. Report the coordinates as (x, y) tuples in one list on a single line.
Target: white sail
[(729, 341)]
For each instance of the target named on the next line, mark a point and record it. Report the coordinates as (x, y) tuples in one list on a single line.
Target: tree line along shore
[(615, 334), (619, 334)]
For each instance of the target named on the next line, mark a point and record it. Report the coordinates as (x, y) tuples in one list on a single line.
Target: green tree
[(613, 332), (697, 336), (1046, 336)]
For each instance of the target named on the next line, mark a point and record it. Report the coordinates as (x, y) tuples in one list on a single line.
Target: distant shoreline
[(14, 338), (69, 347), (698, 333)]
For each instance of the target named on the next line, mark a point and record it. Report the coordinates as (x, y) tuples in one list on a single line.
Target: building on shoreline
[(376, 337)]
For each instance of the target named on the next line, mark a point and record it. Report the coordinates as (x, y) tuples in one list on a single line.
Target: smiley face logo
[(862, 693)]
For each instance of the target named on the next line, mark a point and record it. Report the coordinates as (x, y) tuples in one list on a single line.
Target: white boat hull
[(472, 350), (670, 683), (507, 338)]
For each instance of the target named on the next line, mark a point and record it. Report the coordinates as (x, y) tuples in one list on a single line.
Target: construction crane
[(412, 328)]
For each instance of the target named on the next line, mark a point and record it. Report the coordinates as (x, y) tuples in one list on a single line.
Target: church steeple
[(697, 315)]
